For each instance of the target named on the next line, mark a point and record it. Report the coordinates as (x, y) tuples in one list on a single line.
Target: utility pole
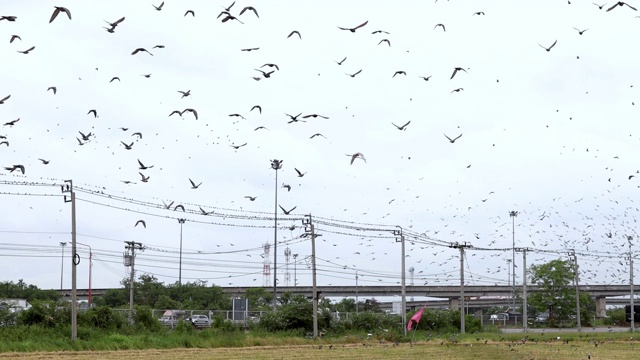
[(356, 292), (576, 280), (68, 188), (632, 311), (461, 247), (62, 245), (309, 230), (275, 165), (513, 215), (400, 238), (90, 266), (131, 246), (295, 270), (181, 221), (525, 316)]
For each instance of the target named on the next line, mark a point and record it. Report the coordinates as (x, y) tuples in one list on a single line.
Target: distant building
[(14, 304)]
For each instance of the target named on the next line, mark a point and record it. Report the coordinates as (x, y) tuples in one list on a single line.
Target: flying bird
[(115, 24), (441, 25), (238, 146), (138, 134), (251, 198), (455, 71), (139, 50), (44, 162), (294, 32), (580, 31), (193, 185), (14, 168), (142, 166), (141, 222), (4, 99), (379, 32), (425, 78), (12, 122), (550, 47), (599, 6), (193, 14), (285, 186), (159, 7), (356, 156), (353, 29), (354, 74), (287, 212), (257, 107), (127, 147), (144, 178), (620, 3), (271, 65), (27, 51), (58, 10), (265, 74), (317, 134), (400, 72), (314, 116), (8, 18), (452, 140), (13, 37), (195, 113), (55, 90), (184, 93), (95, 113), (114, 78), (478, 13), (340, 62), (249, 8), (250, 49), (300, 173), (456, 90), (403, 127), (385, 40)]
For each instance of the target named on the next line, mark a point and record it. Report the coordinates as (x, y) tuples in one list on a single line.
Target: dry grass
[(615, 349)]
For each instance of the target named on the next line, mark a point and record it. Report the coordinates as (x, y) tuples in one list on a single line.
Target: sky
[(552, 135)]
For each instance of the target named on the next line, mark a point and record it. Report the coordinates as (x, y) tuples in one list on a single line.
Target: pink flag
[(416, 317)]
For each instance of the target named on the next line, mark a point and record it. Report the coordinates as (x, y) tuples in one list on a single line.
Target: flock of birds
[(542, 224)]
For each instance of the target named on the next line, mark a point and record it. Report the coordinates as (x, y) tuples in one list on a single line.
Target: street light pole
[(181, 221), (275, 165), (513, 215), (62, 244)]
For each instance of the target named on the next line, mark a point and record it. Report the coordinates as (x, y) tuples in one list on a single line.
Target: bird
[(620, 3), (250, 49), (55, 90), (94, 111), (139, 50), (229, 17), (115, 24), (237, 115), (4, 99), (13, 38), (457, 90), (27, 51), (314, 116), (228, 8), (144, 178), (44, 162), (599, 6), (441, 25), (249, 8), (193, 185), (193, 14), (399, 72), (205, 213), (317, 134), (300, 174), (251, 198), (257, 107), (195, 113), (142, 166), (260, 128), (238, 146), (452, 140), (550, 47), (58, 10), (141, 222), (146, 75), (285, 186), (354, 74), (356, 156), (159, 7), (403, 127), (158, 47), (293, 118), (478, 13), (86, 137), (4, 142), (14, 168), (127, 147), (353, 29), (580, 31), (9, 18), (340, 62), (138, 134), (380, 32), (294, 32), (455, 71), (425, 78), (265, 74), (385, 40), (184, 93), (114, 78), (271, 65), (285, 211), (12, 122), (179, 206)]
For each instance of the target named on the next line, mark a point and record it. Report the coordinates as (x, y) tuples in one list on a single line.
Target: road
[(600, 329)]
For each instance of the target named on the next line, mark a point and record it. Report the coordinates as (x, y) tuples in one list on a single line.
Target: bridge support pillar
[(454, 303), (601, 306)]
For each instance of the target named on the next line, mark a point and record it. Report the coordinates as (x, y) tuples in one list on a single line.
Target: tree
[(557, 294), (259, 299)]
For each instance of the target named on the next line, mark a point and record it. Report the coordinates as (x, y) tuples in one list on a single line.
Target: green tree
[(346, 305), (149, 290), (259, 299), (557, 295)]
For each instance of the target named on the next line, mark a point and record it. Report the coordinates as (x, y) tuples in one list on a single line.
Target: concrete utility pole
[(525, 316), (90, 266), (400, 238), (309, 229), (62, 245), (181, 221), (275, 165), (295, 270), (577, 281), (356, 292), (75, 259), (633, 317), (513, 215), (461, 247), (132, 246)]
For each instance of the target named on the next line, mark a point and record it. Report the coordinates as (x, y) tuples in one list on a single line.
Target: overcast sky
[(552, 134)]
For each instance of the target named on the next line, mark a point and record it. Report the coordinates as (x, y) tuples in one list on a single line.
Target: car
[(542, 318), (200, 321)]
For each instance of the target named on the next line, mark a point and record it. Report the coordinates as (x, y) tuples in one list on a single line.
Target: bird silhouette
[(295, 32), (193, 184), (354, 74), (58, 10), (441, 25), (159, 7), (27, 51), (455, 71), (340, 62), (13, 38), (385, 40), (256, 107), (139, 50), (353, 29), (580, 31), (356, 156), (251, 198), (452, 140), (300, 174), (142, 166), (193, 14), (621, 4), (550, 47), (53, 88), (403, 127), (285, 211), (4, 99), (14, 168), (249, 8), (142, 222)]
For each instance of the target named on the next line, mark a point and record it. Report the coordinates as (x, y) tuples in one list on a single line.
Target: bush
[(102, 317), (143, 317)]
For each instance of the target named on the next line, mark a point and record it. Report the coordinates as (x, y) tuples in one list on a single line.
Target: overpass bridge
[(451, 293)]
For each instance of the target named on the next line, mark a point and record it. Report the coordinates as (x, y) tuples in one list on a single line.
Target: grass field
[(471, 349)]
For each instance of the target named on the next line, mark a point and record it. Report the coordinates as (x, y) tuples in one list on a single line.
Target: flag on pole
[(416, 317)]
